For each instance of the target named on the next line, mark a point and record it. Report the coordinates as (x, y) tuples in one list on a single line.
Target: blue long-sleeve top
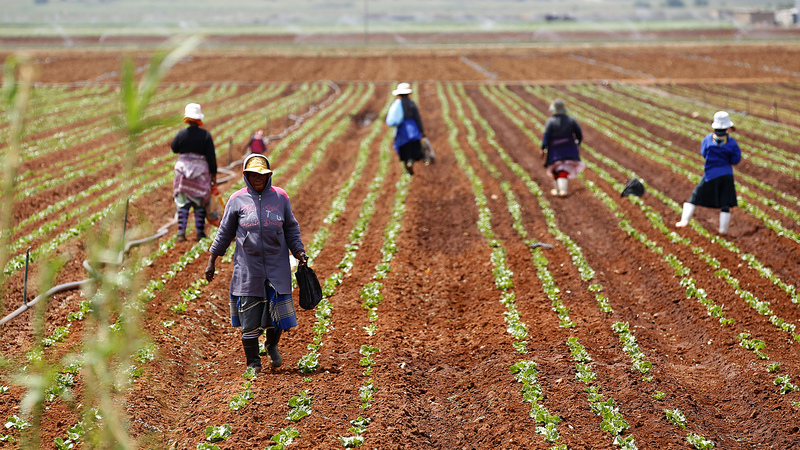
[(720, 157)]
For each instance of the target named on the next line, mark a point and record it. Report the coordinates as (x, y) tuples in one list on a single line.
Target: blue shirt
[(720, 157)]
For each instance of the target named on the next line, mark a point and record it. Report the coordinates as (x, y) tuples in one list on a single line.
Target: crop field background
[(444, 323)]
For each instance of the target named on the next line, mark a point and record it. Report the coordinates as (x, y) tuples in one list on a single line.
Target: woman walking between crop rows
[(195, 171), (560, 147), (716, 189), (404, 116), (259, 217)]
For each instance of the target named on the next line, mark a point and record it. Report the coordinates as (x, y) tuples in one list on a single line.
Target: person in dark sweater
[(716, 189), (560, 146), (195, 171)]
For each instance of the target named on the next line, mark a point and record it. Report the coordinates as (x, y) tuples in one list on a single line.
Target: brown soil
[(442, 374)]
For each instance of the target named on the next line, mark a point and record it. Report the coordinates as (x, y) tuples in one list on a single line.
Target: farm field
[(444, 324)]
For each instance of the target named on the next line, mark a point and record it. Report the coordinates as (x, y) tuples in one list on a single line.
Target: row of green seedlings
[(61, 110), (371, 293), (146, 171), (42, 116), (102, 156), (644, 144), (58, 112), (524, 371), (762, 307), (103, 107), (48, 99), (310, 362), (301, 405), (765, 272), (81, 135), (612, 422), (147, 353), (16, 263), (742, 100), (759, 152), (765, 128), (642, 139)]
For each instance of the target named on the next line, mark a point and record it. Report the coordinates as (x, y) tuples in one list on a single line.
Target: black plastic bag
[(310, 291), (634, 187)]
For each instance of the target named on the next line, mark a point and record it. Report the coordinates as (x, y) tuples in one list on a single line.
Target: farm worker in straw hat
[(716, 189), (561, 141), (195, 171), (404, 115), (259, 217)]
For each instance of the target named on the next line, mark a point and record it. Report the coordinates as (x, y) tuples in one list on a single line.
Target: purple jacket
[(265, 230)]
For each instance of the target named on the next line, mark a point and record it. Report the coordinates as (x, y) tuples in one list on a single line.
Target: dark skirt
[(717, 193), (411, 150)]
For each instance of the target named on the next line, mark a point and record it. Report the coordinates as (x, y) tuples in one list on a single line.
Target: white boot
[(688, 210), (724, 221), (561, 185), (554, 191)]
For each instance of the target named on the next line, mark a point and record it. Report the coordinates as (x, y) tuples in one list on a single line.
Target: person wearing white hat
[(716, 189), (260, 220), (560, 147), (404, 116), (195, 171)]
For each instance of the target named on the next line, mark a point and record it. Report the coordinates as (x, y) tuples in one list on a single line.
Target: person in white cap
[(195, 171), (404, 115), (716, 189), (260, 220), (560, 147)]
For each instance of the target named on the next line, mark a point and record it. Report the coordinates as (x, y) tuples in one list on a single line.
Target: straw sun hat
[(258, 164)]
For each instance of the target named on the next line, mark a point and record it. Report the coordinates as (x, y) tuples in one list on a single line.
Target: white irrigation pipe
[(298, 120)]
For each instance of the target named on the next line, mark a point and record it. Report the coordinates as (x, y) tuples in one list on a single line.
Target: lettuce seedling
[(699, 442), (676, 417), (216, 434)]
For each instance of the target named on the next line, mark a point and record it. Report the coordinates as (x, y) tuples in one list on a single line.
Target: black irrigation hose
[(298, 120)]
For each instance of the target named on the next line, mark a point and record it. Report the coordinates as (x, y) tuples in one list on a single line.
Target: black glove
[(301, 257)]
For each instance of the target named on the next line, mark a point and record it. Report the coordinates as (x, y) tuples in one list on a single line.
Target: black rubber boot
[(251, 353), (273, 337)]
